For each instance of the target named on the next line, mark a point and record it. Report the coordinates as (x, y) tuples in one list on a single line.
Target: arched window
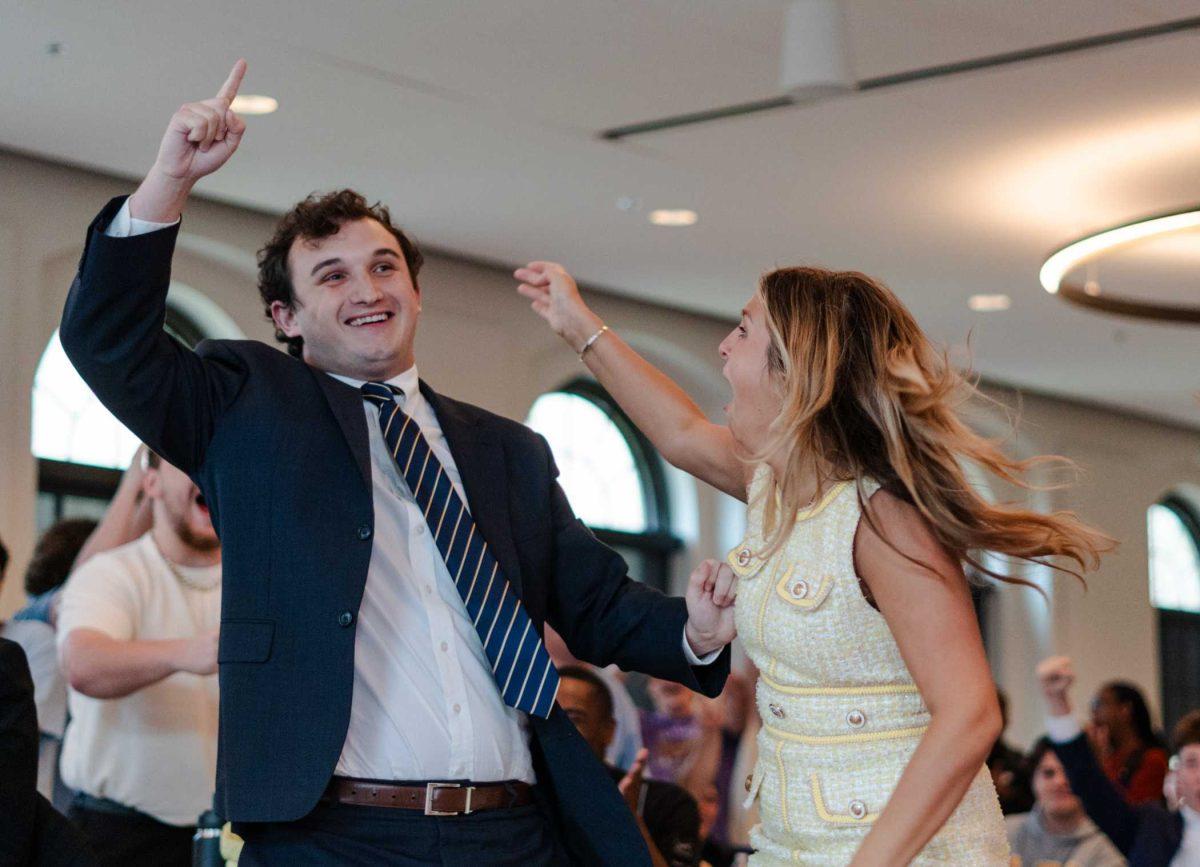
[(81, 448), (1174, 542), (1173, 535), (611, 474)]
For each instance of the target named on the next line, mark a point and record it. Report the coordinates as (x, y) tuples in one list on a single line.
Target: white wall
[(479, 342)]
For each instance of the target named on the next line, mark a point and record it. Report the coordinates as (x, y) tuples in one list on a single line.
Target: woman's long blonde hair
[(865, 395)]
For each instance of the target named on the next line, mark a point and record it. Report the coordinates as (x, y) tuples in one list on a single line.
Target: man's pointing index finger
[(230, 88)]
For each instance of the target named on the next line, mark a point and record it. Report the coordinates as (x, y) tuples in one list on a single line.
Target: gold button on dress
[(841, 713)]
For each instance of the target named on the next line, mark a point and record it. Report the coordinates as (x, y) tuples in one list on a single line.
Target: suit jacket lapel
[(347, 406), (479, 455)]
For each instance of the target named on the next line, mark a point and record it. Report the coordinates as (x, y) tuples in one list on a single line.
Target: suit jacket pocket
[(245, 640)]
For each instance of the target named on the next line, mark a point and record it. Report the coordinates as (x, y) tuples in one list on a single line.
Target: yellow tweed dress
[(841, 714)]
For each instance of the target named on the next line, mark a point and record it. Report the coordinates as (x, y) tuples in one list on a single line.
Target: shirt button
[(364, 532), (858, 809), (445, 647), (743, 557), (428, 588), (856, 719), (458, 708), (777, 710), (799, 590), (345, 618), (420, 529)]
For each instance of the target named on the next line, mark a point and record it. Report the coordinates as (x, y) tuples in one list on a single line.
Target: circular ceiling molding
[(1063, 261)]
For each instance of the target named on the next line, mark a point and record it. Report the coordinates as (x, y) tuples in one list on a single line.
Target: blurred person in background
[(137, 637), (682, 735), (1009, 769), (1131, 752), (627, 736), (54, 556), (1148, 835), (1057, 831), (61, 548), (31, 831), (666, 813)]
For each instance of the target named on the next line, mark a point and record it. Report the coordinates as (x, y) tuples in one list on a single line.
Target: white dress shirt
[(425, 705)]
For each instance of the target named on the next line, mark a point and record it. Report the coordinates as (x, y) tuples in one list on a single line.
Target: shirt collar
[(1191, 819), (408, 381)]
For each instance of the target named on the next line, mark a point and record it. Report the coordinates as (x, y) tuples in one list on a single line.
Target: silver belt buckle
[(431, 789)]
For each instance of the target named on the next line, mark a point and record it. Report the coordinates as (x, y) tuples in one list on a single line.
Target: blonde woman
[(877, 703)]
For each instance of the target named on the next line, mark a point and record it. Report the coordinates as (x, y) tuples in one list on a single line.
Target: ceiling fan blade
[(923, 74)]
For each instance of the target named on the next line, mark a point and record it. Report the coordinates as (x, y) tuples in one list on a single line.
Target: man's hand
[(1055, 676), (200, 138), (199, 655), (711, 591)]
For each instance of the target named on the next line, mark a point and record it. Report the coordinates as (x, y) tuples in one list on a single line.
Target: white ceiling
[(476, 120)]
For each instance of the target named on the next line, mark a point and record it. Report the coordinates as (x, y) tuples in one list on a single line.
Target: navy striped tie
[(524, 673)]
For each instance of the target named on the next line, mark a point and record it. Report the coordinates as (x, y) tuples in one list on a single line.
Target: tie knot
[(377, 392)]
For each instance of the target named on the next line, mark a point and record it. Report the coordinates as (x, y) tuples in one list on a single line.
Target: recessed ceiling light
[(989, 303), (673, 217), (250, 103)]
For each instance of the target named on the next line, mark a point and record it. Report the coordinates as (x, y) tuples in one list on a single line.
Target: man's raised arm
[(112, 323)]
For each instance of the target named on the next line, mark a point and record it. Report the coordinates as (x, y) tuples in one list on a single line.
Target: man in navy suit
[(391, 555)]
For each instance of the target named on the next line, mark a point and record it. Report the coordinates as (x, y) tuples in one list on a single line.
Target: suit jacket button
[(364, 532), (345, 618)]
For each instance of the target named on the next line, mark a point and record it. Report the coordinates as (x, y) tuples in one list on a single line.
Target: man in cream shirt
[(137, 633)]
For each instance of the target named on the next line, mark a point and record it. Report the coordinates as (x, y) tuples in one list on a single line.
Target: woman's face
[(1052, 790), (756, 398)]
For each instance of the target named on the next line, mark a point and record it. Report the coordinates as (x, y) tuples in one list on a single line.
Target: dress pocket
[(802, 589)]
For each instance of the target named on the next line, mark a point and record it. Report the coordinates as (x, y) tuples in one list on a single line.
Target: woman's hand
[(555, 297)]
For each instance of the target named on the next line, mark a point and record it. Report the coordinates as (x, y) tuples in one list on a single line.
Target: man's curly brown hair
[(319, 216)]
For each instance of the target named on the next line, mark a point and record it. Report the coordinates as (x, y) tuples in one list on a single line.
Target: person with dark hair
[(1131, 752), (1147, 834), (667, 812), (1057, 831), (53, 558), (1009, 769), (391, 553)]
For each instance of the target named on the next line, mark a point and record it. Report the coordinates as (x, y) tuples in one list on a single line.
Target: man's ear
[(608, 730), (284, 316), (152, 483)]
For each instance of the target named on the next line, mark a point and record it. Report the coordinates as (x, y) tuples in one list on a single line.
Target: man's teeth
[(363, 320)]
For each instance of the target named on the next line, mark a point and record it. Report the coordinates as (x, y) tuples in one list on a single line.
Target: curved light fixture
[(1064, 260)]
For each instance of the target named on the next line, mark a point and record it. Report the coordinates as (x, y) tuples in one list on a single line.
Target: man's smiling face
[(356, 305)]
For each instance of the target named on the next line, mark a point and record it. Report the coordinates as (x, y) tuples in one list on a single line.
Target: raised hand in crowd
[(1055, 676)]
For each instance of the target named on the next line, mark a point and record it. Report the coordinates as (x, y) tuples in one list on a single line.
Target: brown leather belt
[(435, 799)]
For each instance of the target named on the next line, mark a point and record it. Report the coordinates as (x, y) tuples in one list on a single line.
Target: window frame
[(657, 544)]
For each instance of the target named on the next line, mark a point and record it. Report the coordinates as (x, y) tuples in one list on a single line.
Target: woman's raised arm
[(657, 405)]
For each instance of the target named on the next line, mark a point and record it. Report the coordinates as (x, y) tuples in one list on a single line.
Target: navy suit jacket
[(280, 451), (1148, 835)]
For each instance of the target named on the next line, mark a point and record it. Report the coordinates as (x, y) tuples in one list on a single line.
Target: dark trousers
[(347, 834), (122, 837)]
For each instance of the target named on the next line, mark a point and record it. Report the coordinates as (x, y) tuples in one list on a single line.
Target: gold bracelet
[(592, 340)]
